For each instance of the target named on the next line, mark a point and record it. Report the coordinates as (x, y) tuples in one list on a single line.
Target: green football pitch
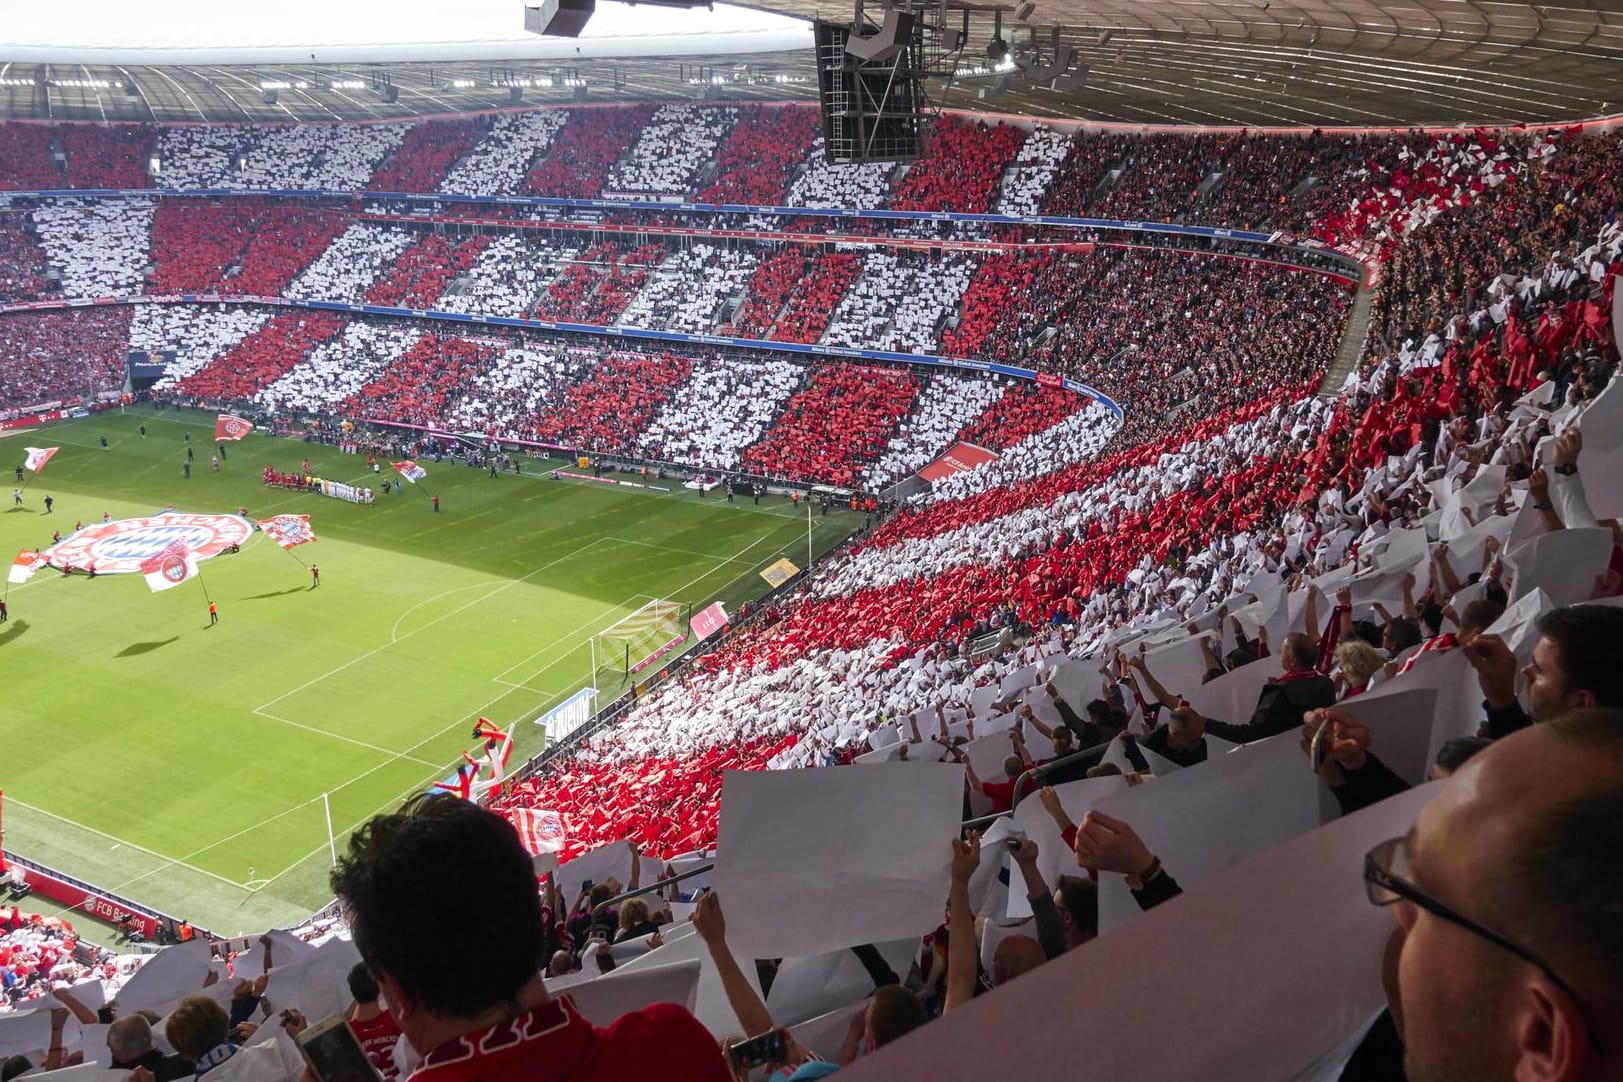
[(184, 766)]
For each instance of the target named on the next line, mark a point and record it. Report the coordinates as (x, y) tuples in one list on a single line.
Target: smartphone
[(759, 1050), (1012, 844), (333, 1054), (1318, 751)]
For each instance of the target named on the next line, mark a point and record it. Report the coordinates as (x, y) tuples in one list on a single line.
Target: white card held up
[(605, 999), (166, 978), (1297, 915), (1203, 821), (816, 860)]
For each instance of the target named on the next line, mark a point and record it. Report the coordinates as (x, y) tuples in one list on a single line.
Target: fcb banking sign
[(124, 545)]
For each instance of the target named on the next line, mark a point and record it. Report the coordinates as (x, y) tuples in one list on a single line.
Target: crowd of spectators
[(519, 384), (606, 411), (688, 289), (961, 169), (823, 184), (839, 421), (581, 154), (765, 146), (899, 302), (262, 357), (1023, 410), (1031, 174), (506, 278), (100, 247), (424, 270), (675, 146), (339, 366), (107, 155), (197, 334), (26, 150), (352, 264), (35, 950), (947, 405), (64, 355), (310, 157), (22, 264), (810, 306), (419, 386), (426, 155), (722, 408), (500, 162), (246, 247)]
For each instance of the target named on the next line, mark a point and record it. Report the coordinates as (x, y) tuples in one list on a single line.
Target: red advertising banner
[(102, 908), (958, 458)]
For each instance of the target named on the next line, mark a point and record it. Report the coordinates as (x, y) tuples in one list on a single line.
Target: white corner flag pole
[(332, 846), (808, 534)]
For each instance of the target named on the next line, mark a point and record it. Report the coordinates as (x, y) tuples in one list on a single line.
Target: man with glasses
[(1507, 892)]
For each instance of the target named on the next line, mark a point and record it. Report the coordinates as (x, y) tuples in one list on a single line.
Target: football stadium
[(747, 542)]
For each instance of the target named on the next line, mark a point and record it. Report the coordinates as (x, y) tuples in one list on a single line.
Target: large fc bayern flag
[(171, 567), (231, 427)]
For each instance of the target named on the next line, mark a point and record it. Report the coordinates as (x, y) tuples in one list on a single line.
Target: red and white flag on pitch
[(289, 531), (171, 567), (231, 427), (410, 470), (38, 456), (540, 829), (23, 567)]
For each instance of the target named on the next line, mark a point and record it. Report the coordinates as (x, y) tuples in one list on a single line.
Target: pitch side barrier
[(759, 345), (1276, 239)]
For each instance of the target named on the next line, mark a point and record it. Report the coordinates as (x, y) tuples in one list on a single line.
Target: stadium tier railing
[(756, 345), (1284, 242)]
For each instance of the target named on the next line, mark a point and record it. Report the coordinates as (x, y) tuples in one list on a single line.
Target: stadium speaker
[(872, 110), (515, 95), (1024, 12), (268, 97), (391, 94), (892, 37), (559, 18)]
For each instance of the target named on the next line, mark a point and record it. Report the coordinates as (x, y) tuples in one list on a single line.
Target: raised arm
[(636, 866), (1050, 929), (1444, 569), (962, 951), (1035, 722), (1538, 490), (1162, 695), (84, 1014), (711, 927)]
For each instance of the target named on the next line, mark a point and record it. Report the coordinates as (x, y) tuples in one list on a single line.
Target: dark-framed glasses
[(1388, 879)]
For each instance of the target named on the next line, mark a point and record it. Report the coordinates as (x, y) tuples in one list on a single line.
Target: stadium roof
[(1225, 62)]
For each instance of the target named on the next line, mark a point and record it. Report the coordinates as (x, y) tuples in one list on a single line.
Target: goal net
[(640, 639)]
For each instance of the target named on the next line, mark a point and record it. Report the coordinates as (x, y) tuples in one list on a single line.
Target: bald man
[(129, 1042), (1507, 892)]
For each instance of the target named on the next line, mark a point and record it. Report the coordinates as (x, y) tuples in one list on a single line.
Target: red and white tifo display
[(125, 546)]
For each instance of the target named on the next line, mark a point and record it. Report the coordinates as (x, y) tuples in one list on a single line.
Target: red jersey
[(1000, 793), (554, 1043), (378, 1036)]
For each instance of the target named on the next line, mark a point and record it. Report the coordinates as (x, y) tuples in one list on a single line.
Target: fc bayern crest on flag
[(124, 545), (173, 569), (231, 427), (288, 531)]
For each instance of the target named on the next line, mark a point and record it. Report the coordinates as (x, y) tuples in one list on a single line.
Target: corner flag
[(38, 456), (410, 470)]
